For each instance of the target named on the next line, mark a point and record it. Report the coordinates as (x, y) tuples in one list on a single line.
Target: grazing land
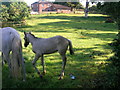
[(90, 65)]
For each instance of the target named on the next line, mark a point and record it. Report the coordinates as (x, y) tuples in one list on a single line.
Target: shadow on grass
[(76, 23), (89, 70), (82, 65), (103, 36), (77, 18)]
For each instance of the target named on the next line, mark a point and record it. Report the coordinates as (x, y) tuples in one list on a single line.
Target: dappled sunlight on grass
[(90, 38)]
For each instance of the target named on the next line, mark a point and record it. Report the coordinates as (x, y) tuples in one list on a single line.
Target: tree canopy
[(14, 11), (113, 9), (73, 5)]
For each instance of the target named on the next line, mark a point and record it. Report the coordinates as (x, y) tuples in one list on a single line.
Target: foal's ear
[(24, 33)]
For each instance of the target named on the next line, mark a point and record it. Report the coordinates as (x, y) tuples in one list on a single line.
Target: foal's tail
[(70, 47)]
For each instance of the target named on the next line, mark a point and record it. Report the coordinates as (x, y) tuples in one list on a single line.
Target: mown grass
[(90, 38)]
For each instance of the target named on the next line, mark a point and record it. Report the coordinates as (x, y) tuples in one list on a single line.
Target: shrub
[(14, 13)]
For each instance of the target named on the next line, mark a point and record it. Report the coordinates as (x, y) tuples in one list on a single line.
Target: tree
[(99, 5), (73, 5), (79, 6), (112, 9), (18, 11), (15, 12), (93, 9), (4, 13), (61, 3)]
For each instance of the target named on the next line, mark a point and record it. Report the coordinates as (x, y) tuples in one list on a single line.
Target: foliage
[(7, 4), (73, 5), (90, 38), (15, 12), (4, 13), (94, 10), (61, 3), (116, 48), (18, 11), (99, 5), (116, 58), (79, 6), (112, 9)]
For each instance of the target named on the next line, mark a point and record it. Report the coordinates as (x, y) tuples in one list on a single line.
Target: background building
[(44, 6)]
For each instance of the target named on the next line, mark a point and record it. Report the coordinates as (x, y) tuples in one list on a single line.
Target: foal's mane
[(33, 35)]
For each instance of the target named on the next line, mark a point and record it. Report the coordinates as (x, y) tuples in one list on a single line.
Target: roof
[(34, 3), (58, 6), (42, 2), (45, 2)]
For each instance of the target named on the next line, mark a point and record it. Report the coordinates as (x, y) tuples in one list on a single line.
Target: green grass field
[(90, 38)]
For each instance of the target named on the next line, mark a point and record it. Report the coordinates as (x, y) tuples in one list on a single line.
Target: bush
[(94, 10), (14, 13), (116, 59), (4, 13)]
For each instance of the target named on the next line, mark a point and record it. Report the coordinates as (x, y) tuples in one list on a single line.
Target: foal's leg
[(23, 69), (34, 61), (42, 60), (63, 65)]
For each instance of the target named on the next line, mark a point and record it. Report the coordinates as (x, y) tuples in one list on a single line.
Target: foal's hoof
[(41, 76), (44, 72), (24, 80), (60, 78)]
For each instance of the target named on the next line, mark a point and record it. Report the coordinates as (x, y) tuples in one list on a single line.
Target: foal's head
[(26, 39)]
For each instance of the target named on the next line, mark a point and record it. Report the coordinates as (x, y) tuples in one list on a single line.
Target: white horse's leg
[(7, 57), (34, 61), (43, 62), (23, 69), (2, 59)]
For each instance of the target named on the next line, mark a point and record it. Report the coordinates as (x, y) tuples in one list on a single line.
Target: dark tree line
[(113, 10)]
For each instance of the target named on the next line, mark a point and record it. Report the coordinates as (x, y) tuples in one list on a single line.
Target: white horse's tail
[(18, 60)]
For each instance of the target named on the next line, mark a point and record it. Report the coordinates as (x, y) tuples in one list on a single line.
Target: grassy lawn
[(90, 38)]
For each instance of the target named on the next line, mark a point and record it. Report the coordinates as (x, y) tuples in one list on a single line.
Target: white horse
[(11, 42), (41, 46)]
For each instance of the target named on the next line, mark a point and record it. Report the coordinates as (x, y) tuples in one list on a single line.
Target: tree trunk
[(86, 9)]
